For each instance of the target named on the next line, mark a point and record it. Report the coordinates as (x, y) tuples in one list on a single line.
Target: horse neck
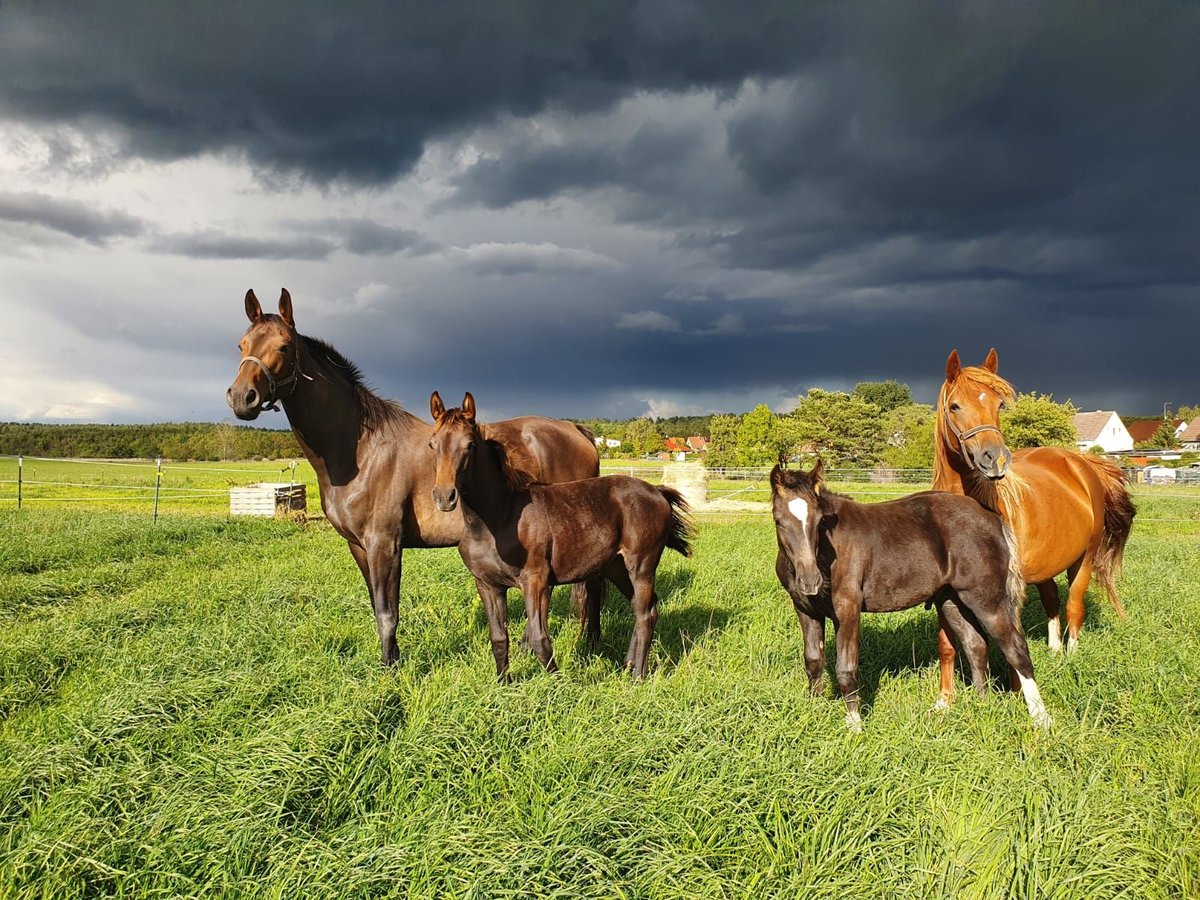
[(326, 414), (485, 492)]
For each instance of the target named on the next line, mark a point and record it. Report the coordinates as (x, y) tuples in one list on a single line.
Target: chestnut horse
[(839, 558), (1070, 511), (372, 458), (518, 533)]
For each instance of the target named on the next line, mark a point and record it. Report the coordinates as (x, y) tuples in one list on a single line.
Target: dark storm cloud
[(353, 91), (839, 191), (68, 217)]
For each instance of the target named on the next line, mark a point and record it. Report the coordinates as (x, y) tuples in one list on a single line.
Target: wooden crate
[(267, 499)]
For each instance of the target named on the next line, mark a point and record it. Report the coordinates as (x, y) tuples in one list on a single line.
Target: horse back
[(550, 450)]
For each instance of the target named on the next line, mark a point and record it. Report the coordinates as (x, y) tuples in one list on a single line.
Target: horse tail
[(1014, 585), (1118, 522), (586, 432), (679, 529)]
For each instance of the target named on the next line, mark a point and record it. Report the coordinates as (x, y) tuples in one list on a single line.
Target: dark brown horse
[(372, 458), (1070, 511), (517, 533), (839, 558)]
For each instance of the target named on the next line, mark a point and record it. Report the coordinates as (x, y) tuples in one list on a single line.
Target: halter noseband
[(272, 402), (970, 432)]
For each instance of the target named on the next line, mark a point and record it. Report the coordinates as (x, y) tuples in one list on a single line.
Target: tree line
[(170, 440), (876, 424)]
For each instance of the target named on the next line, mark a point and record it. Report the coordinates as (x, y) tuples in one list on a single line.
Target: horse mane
[(517, 479), (376, 411)]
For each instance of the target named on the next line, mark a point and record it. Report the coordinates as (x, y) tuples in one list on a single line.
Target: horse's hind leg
[(591, 596), (1079, 576), (945, 666), (645, 612), (1048, 591), (974, 644), (1000, 621)]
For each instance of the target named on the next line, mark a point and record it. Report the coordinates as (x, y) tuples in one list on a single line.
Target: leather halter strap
[(970, 432), (273, 383)]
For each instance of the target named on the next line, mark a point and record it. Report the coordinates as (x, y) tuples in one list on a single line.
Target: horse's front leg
[(847, 630), (945, 666), (535, 586), (814, 649), (495, 607), (380, 562)]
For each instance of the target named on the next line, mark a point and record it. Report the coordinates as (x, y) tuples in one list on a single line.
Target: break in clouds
[(599, 208)]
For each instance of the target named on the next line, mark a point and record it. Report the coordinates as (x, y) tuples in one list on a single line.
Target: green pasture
[(196, 708)]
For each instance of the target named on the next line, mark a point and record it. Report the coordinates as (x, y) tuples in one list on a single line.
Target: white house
[(607, 442), (1103, 429), (1190, 436)]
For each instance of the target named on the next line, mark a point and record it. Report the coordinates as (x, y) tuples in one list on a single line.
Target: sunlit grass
[(197, 709)]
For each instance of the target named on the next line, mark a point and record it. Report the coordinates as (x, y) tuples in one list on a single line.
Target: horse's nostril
[(251, 396)]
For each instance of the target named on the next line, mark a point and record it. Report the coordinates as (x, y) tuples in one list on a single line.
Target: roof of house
[(697, 442), (676, 445), (1088, 425), (1192, 432), (1144, 429)]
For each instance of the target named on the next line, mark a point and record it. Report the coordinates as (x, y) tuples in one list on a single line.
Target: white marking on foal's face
[(799, 509)]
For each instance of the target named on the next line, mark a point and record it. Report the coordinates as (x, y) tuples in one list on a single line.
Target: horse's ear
[(817, 475), (992, 363), (468, 407), (953, 365), (285, 308), (776, 475), (437, 408), (253, 308)]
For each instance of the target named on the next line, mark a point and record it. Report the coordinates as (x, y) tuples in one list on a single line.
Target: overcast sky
[(598, 208)]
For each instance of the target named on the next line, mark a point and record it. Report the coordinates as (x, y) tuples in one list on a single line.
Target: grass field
[(196, 709)]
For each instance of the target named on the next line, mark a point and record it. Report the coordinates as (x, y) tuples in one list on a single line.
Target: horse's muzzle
[(245, 402), (445, 500)]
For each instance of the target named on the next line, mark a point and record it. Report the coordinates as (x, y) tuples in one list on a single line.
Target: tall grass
[(197, 709)]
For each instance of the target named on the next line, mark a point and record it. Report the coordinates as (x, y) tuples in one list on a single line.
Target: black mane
[(376, 411)]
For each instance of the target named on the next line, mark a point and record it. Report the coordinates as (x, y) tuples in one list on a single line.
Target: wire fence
[(155, 485)]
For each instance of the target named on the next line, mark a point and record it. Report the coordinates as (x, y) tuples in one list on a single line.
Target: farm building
[(698, 443), (1103, 429), (1142, 430), (1190, 436)]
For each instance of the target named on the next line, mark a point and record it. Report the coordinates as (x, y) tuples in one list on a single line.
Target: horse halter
[(272, 402), (970, 432)]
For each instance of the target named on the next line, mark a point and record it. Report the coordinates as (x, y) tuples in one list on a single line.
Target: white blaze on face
[(982, 396), (799, 509)]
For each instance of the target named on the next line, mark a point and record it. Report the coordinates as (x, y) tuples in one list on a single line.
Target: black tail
[(680, 531)]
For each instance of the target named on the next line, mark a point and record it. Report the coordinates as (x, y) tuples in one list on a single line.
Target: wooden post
[(157, 486), (20, 478)]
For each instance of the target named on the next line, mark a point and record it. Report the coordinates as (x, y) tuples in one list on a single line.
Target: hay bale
[(690, 479)]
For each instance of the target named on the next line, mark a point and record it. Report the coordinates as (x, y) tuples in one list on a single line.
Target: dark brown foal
[(519, 533), (838, 558)]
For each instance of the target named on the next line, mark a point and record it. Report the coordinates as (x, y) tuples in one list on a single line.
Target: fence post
[(20, 478), (157, 486)]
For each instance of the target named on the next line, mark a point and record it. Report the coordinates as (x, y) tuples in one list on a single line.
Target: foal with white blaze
[(839, 558)]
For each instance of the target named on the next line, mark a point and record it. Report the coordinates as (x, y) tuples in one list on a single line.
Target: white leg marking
[(1072, 645), (1054, 635), (941, 704), (854, 722), (1033, 699)]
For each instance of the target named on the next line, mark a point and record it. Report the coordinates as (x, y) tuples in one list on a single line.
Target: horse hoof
[(1042, 721), (941, 704), (854, 722), (1072, 645)]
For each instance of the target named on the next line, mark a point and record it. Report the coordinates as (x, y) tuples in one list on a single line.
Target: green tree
[(1164, 438), (758, 437), (1187, 413), (723, 442), (844, 428), (908, 434), (644, 435), (887, 395), (1035, 420)]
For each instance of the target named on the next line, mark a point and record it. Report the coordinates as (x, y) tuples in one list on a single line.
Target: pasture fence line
[(154, 490), (153, 484)]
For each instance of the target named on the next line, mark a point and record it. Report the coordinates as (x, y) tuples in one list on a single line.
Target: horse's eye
[(1004, 404), (471, 447), (285, 348), (954, 407)]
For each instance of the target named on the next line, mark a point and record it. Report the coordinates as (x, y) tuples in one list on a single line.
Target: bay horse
[(839, 558), (1070, 511), (519, 533), (372, 457)]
